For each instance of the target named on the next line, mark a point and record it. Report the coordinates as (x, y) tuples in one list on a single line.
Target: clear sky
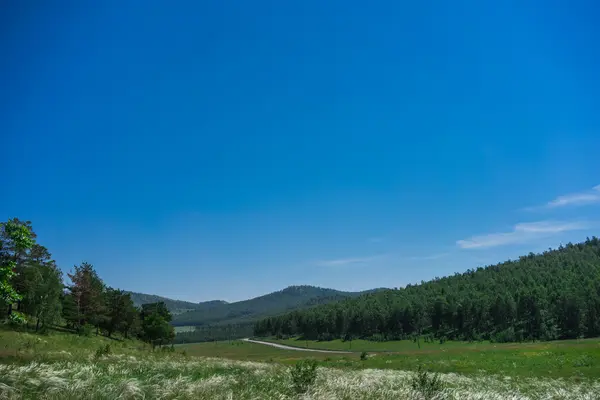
[(221, 150)]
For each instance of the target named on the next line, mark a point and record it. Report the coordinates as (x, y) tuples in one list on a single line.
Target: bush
[(377, 337), (363, 356), (102, 351), (304, 375), (426, 383), (17, 318), (85, 330), (325, 337), (505, 336)]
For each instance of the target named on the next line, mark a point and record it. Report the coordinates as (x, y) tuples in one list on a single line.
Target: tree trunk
[(37, 324)]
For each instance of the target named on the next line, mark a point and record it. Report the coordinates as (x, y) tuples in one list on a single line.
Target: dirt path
[(282, 346)]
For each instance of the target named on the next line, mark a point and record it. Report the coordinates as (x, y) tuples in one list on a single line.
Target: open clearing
[(66, 366), (559, 359)]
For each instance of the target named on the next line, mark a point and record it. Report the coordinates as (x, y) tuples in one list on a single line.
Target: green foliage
[(102, 351), (19, 234), (427, 383), (155, 327), (15, 238), (364, 355), (87, 290), (70, 311), (304, 375), (7, 293), (505, 336), (86, 330), (121, 314), (42, 290), (17, 318), (552, 295)]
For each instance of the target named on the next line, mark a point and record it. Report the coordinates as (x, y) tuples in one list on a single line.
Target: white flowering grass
[(66, 367), (120, 377)]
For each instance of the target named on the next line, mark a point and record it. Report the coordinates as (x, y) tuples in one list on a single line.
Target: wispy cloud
[(346, 261), (591, 196), (523, 233)]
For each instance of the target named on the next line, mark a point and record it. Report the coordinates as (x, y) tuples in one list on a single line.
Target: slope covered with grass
[(69, 367)]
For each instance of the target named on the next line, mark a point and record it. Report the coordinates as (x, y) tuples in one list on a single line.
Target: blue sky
[(202, 151)]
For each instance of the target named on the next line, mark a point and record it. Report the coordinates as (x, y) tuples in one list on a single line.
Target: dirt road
[(284, 347)]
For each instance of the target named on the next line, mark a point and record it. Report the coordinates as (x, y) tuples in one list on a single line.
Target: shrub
[(102, 351), (304, 375), (325, 337), (377, 337), (363, 356), (86, 330), (505, 336), (426, 383), (17, 318)]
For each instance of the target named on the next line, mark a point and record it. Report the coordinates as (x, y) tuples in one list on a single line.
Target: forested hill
[(290, 298), (553, 295), (174, 306)]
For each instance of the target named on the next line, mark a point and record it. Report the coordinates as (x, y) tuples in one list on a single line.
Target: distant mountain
[(288, 299), (175, 306)]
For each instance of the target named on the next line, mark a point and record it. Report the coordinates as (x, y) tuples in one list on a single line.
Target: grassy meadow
[(240, 350), (66, 366), (566, 358)]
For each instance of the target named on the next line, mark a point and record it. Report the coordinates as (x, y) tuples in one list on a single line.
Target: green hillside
[(547, 296), (174, 306), (288, 299), (236, 320)]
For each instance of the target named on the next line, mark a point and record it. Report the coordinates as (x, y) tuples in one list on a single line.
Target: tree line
[(546, 296), (33, 294)]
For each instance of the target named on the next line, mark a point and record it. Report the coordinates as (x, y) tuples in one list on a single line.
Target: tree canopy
[(32, 291)]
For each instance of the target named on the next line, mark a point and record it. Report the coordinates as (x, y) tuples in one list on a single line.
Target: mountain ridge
[(219, 312), (174, 305)]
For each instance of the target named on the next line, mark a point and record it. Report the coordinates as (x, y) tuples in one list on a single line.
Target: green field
[(239, 350), (569, 358), (64, 366)]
